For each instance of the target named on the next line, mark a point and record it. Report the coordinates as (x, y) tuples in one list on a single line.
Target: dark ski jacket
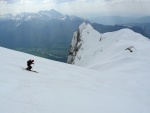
[(29, 62)]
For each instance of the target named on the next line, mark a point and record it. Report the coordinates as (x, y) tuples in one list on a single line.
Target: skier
[(29, 62)]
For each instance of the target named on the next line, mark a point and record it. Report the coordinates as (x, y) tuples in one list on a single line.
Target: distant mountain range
[(143, 22), (113, 20), (48, 31), (37, 29), (41, 15), (109, 28), (144, 26)]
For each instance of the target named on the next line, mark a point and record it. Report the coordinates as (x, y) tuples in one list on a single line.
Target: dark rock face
[(75, 44)]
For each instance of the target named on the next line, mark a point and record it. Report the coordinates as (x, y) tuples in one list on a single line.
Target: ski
[(29, 70)]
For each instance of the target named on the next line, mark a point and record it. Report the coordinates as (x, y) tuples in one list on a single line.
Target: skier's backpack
[(28, 61)]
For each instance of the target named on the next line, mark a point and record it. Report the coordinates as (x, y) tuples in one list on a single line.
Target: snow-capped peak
[(28, 16), (77, 40), (110, 51)]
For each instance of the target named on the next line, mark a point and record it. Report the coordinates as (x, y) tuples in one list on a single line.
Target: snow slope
[(108, 52), (110, 87)]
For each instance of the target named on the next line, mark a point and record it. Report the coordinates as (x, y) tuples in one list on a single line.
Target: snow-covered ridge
[(76, 42), (122, 50)]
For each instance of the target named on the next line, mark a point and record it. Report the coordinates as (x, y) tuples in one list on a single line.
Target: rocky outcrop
[(75, 44)]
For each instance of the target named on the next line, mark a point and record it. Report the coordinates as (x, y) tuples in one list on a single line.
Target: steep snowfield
[(114, 83)]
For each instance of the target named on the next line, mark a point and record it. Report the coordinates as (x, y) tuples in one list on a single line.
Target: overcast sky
[(82, 8)]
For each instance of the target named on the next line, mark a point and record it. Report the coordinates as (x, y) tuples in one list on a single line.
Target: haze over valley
[(49, 33)]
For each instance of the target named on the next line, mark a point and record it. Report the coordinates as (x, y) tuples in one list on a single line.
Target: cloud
[(10, 1), (79, 7), (63, 1), (34, 1)]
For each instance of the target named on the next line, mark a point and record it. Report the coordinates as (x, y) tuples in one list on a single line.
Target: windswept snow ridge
[(122, 50)]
